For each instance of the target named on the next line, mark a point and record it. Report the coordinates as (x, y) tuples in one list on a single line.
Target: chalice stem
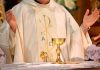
[(58, 51)]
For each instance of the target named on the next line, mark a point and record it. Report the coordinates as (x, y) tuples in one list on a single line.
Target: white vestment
[(4, 42), (38, 24)]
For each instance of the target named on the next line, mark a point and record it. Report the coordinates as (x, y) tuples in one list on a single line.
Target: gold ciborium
[(58, 42), (44, 56)]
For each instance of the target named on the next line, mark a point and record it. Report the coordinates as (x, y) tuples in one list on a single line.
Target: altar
[(87, 65)]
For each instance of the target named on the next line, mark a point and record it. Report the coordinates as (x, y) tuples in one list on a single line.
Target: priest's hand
[(96, 37), (90, 19), (11, 20)]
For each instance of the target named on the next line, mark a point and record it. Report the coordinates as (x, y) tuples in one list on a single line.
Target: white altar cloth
[(49, 66)]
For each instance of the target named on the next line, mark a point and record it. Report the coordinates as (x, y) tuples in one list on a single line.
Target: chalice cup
[(58, 42)]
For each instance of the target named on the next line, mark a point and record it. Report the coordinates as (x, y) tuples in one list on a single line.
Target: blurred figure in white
[(4, 36)]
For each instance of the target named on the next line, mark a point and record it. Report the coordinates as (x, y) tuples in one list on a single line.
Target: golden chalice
[(58, 42)]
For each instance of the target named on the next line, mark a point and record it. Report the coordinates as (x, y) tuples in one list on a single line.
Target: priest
[(34, 23)]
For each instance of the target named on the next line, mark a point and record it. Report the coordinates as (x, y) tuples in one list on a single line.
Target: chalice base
[(58, 62)]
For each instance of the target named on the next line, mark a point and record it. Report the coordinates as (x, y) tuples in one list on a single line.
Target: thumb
[(87, 12)]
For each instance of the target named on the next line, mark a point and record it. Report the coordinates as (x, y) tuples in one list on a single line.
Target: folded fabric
[(93, 52), (2, 57)]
